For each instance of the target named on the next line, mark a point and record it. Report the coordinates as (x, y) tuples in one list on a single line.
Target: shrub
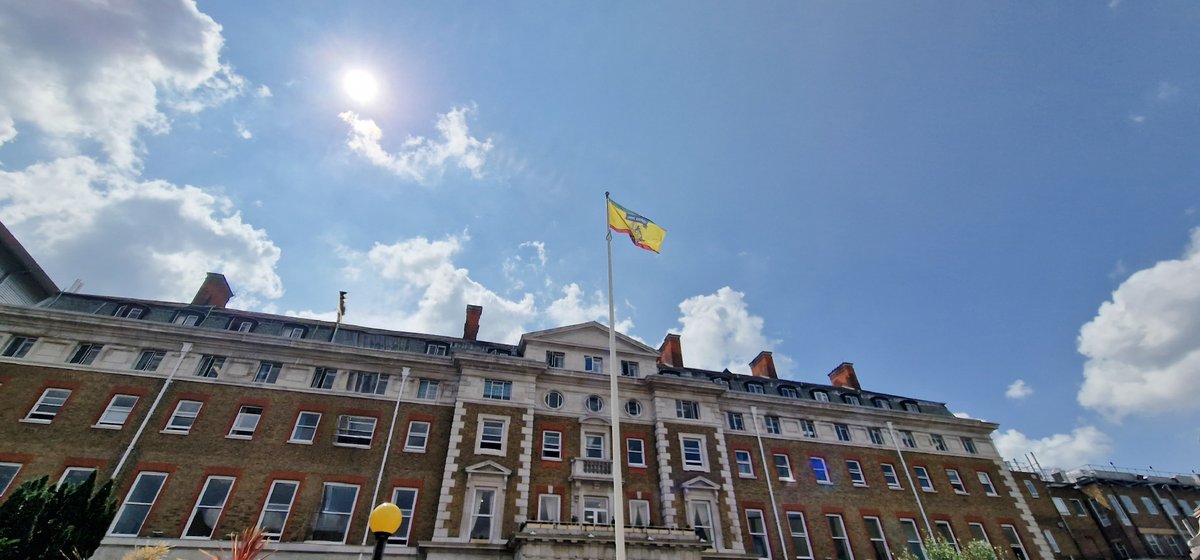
[(40, 521)]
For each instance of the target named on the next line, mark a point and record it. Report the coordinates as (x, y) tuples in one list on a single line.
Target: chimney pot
[(763, 365), (471, 326), (214, 291), (671, 351), (843, 376)]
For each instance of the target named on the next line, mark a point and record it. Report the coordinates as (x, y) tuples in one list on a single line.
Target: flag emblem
[(643, 232)]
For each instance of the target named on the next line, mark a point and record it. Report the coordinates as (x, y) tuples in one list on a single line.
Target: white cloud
[(242, 131), (421, 159), (1166, 90), (573, 308), (84, 72), (719, 332), (1137, 119), (147, 239), (538, 246), (1142, 348), (1083, 445), (262, 92), (1018, 390)]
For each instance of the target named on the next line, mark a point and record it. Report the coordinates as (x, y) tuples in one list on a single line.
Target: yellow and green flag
[(642, 231)]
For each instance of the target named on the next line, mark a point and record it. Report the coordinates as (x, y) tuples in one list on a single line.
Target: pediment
[(489, 467), (701, 483), (592, 335)]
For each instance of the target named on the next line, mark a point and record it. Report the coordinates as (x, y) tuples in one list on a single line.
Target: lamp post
[(385, 520)]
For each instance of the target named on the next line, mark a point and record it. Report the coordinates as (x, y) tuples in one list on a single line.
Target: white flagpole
[(614, 403)]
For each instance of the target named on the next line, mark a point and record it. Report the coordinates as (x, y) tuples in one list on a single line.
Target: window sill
[(414, 449), (300, 442), (750, 476), (640, 466), (175, 432), (993, 495), (495, 452), (556, 459), (895, 487), (352, 445), (825, 482), (787, 480), (35, 421), (107, 427), (929, 490), (695, 468), (960, 493), (238, 436), (859, 485)]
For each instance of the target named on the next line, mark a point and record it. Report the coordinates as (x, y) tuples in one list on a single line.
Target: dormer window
[(436, 349), (721, 381), (820, 396), (910, 406), (786, 391), (127, 311), (241, 325), (881, 402), (186, 319), (294, 331), (756, 388), (852, 399)]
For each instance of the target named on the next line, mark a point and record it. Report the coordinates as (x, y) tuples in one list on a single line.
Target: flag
[(642, 231)]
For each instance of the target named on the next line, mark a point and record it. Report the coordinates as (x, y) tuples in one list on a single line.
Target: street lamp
[(385, 520)]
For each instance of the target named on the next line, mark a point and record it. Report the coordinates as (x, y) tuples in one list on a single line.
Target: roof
[(39, 276)]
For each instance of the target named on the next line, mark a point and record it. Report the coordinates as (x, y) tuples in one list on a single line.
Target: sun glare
[(360, 86)]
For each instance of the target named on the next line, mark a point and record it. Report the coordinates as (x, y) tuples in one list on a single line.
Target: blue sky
[(994, 206)]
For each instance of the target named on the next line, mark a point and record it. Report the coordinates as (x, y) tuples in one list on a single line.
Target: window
[(184, 416), (939, 443), (1132, 509), (801, 548), (757, 527), (1169, 508), (549, 507), (1100, 513), (186, 319), (906, 437), (986, 481), (789, 392), (149, 360), (436, 349), (418, 436), (700, 514), (406, 500), (1151, 540), (878, 542), (1147, 503), (1054, 543), (946, 533), (294, 331), (719, 381), (876, 435), (856, 474), (841, 541), (852, 399), (277, 507), (956, 481), (772, 423), (1060, 505), (1173, 543), (629, 369), (129, 312), (633, 408), (820, 396), (910, 406), (755, 388), (736, 422), (969, 446), (1078, 507), (820, 470), (48, 405), (246, 422), (881, 402), (323, 378), (357, 431), (72, 475), (19, 346), (1033, 491), (1014, 542), (333, 515), (889, 476), (492, 436), (267, 372), (552, 445), (687, 409), (1116, 506), (693, 453), (118, 411), (555, 359), (635, 452), (209, 506), (1122, 553), (593, 445), (367, 382), (306, 427), (923, 479), (783, 467), (497, 390), (842, 431), (210, 365), (912, 538), (85, 354), (594, 403), (745, 467), (594, 364), (427, 390), (639, 513), (241, 325), (137, 504), (595, 510), (978, 533), (807, 428), (554, 399)]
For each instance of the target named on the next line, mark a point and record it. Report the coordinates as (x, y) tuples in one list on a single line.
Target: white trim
[(150, 504), (286, 513), (703, 441), (220, 508), (479, 421)]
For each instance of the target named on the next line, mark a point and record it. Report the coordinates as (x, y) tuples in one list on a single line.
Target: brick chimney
[(763, 365), (215, 291), (671, 351), (844, 376), (471, 327)]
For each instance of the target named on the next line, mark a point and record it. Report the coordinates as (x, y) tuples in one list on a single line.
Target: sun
[(360, 85)]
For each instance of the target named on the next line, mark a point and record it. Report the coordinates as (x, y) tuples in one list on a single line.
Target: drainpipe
[(767, 474), (387, 448), (908, 475), (183, 350)]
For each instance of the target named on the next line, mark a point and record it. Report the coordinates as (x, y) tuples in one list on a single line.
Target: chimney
[(671, 351), (215, 291), (763, 365), (471, 327), (844, 376)]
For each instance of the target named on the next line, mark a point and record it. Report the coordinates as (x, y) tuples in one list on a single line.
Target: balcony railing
[(591, 469)]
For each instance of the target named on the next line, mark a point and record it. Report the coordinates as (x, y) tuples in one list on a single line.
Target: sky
[(989, 205)]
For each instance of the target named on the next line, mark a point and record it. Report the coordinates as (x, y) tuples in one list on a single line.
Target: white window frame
[(121, 412), (298, 426), (18, 346), (713, 527), (629, 368), (593, 364), (349, 516), (125, 504), (437, 349), (875, 435), (67, 472), (807, 428), (944, 529), (549, 508), (857, 477), (877, 537), (218, 507), (49, 404), (1128, 502), (812, 463), (629, 452), (594, 404), (908, 439), (1078, 507), (552, 452), (1116, 506), (149, 360), (482, 421), (415, 428), (269, 507), (177, 413), (1148, 505), (1054, 542), (834, 528), (956, 482), (908, 527), (367, 382), (783, 471), (758, 538), (428, 389), (744, 462), (772, 424), (210, 366), (633, 408), (556, 360), (924, 481), (1033, 492), (271, 375), (598, 515), (981, 532), (842, 431), (601, 450), (1061, 505), (1014, 541), (348, 431), (938, 442), (85, 354), (689, 410), (854, 400), (820, 396), (756, 389), (323, 378), (807, 553), (969, 446), (735, 421), (892, 481), (634, 507), (497, 389), (985, 480), (403, 535), (553, 399), (239, 429), (691, 464)]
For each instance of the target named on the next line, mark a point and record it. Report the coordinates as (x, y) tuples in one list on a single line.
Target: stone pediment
[(489, 467), (590, 335), (701, 483)]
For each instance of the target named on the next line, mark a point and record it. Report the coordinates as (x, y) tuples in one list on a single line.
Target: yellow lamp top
[(386, 518)]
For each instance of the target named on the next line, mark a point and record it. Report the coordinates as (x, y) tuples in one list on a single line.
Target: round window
[(554, 399), (595, 403), (633, 408)]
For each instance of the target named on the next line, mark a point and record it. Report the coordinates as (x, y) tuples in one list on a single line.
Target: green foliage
[(41, 521), (937, 549)]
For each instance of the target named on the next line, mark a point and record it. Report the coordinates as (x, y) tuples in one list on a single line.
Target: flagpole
[(614, 402)]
